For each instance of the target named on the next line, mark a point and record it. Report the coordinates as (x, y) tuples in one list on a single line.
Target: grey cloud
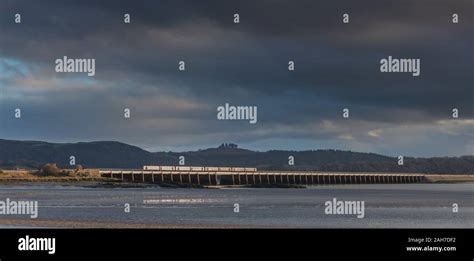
[(336, 66)]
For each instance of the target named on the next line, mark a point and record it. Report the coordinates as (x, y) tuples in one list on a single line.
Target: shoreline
[(28, 177), (90, 183)]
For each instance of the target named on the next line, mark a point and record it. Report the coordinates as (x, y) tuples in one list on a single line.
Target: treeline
[(33, 155)]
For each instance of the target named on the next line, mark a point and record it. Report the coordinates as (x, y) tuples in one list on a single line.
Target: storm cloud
[(336, 67)]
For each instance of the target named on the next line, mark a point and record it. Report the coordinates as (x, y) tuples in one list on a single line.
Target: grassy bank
[(447, 178)]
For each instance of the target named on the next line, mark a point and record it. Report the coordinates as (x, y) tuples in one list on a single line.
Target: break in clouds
[(336, 66)]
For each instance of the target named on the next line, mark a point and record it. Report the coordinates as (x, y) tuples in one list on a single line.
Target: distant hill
[(111, 154)]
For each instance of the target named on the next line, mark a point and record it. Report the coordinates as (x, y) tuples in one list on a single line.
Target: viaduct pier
[(193, 177)]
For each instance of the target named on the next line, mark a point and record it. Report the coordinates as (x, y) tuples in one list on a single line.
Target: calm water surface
[(386, 206)]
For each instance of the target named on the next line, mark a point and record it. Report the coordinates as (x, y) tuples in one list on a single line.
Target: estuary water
[(385, 206)]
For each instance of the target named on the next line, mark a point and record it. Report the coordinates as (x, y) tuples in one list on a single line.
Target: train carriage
[(198, 168)]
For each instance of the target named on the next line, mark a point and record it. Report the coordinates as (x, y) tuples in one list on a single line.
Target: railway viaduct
[(259, 177)]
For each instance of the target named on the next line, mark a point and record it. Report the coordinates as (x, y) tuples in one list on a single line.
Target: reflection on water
[(386, 205)]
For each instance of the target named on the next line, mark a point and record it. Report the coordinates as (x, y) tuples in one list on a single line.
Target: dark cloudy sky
[(337, 66)]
